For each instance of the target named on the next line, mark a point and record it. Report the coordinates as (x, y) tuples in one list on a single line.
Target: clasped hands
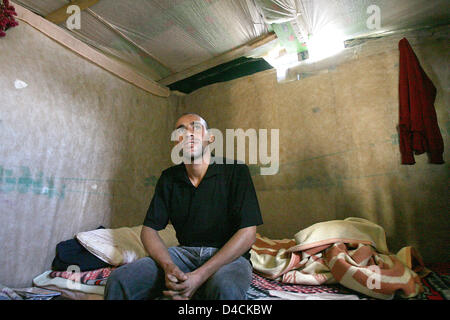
[(180, 285)]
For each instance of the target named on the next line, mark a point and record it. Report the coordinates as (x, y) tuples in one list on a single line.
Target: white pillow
[(122, 245)]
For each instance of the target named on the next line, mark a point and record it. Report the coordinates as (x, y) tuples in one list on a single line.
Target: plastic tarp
[(162, 37), (326, 27), (158, 38), (355, 18)]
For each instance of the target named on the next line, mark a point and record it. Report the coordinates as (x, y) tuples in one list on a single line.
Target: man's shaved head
[(202, 120)]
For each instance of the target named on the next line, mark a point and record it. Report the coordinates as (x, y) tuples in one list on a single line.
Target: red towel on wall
[(418, 127)]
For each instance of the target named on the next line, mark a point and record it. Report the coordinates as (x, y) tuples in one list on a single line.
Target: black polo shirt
[(208, 215)]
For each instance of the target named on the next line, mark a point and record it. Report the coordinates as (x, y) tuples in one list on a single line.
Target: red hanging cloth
[(418, 127)]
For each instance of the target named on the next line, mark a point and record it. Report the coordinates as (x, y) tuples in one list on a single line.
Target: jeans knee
[(115, 276), (224, 289), (139, 280), (232, 292), (115, 288)]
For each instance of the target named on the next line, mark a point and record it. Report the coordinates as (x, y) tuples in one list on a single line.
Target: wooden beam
[(66, 39), (223, 58), (60, 15)]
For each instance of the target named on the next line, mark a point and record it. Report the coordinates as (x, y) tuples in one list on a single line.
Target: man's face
[(191, 133)]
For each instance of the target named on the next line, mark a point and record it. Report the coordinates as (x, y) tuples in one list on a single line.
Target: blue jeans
[(145, 279)]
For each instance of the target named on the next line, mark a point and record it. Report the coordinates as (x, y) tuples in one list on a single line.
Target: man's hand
[(239, 243), (157, 250), (186, 289), (173, 275)]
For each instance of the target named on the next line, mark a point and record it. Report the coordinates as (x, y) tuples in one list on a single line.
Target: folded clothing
[(95, 277), (7, 293), (73, 295), (71, 252), (44, 281), (315, 296)]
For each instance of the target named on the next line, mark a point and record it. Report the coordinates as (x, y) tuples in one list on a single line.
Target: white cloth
[(311, 296), (349, 230), (44, 280), (122, 245)]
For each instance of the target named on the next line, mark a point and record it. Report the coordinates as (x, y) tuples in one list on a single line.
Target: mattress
[(260, 289), (436, 287)]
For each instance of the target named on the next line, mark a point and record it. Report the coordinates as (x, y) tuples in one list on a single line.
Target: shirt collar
[(213, 169)]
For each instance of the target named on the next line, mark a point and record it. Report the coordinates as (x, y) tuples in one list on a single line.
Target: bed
[(122, 245), (436, 287)]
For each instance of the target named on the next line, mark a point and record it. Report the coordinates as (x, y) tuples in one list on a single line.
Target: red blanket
[(94, 277)]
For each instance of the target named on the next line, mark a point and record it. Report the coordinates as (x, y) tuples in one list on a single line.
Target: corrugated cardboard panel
[(79, 148)]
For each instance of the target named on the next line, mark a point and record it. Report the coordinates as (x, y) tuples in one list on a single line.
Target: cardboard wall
[(79, 148), (339, 151)]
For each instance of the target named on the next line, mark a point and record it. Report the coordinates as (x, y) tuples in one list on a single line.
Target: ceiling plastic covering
[(350, 17), (162, 37), (159, 38)]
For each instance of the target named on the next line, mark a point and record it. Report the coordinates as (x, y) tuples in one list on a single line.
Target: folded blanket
[(274, 260), (7, 293), (74, 295), (315, 296), (324, 254), (361, 268), (350, 230), (45, 281), (95, 277)]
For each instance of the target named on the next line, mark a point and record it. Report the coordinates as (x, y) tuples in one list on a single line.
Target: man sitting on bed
[(214, 210)]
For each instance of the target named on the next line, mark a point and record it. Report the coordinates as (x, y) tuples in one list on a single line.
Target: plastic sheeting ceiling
[(162, 37), (350, 16), (159, 38)]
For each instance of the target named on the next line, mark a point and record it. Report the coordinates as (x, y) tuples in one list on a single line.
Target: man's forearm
[(238, 244), (155, 247)]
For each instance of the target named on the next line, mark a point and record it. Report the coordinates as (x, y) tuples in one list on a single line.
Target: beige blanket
[(352, 252)]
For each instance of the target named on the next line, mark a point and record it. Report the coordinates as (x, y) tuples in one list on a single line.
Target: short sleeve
[(245, 202), (157, 216)]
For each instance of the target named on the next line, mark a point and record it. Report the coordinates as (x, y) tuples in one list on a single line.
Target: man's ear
[(211, 138)]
